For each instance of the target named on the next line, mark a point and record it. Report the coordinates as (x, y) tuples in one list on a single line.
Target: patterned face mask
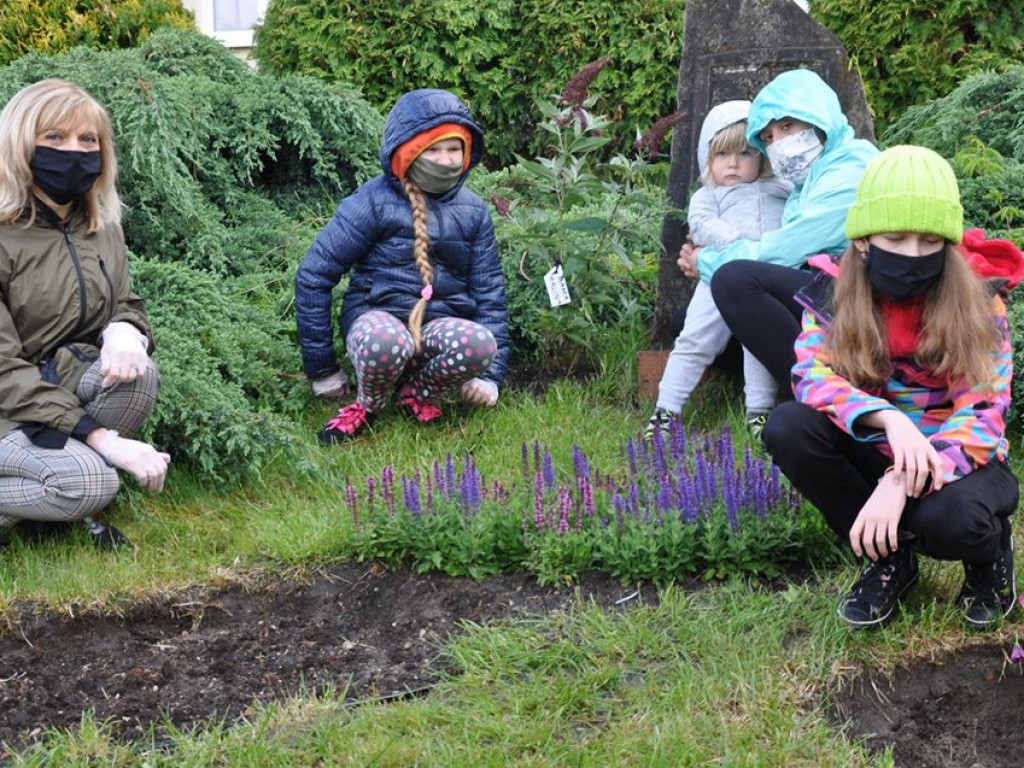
[(792, 156)]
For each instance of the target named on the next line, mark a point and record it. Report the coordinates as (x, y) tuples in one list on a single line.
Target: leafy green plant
[(597, 220)]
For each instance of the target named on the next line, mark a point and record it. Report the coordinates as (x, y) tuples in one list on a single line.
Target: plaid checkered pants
[(72, 482)]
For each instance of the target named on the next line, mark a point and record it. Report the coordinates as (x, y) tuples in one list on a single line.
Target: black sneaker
[(106, 537), (989, 592), (659, 421), (881, 585)]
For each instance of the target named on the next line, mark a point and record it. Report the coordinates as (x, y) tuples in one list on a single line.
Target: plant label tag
[(558, 291)]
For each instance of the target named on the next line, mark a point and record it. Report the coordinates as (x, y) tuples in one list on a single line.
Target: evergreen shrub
[(57, 26), (910, 51), (227, 175), (498, 56)]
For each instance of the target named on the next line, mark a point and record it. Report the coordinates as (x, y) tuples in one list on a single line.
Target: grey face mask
[(433, 178)]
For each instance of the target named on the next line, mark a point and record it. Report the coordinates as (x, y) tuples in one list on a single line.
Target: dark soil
[(962, 711), (356, 627)]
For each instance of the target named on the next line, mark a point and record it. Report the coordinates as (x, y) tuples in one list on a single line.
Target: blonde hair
[(958, 335), (421, 239), (36, 109), (733, 139)]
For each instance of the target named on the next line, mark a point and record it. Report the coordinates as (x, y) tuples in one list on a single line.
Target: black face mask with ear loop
[(65, 174), (899, 277)]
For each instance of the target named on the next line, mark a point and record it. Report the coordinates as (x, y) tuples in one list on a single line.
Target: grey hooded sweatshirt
[(720, 215)]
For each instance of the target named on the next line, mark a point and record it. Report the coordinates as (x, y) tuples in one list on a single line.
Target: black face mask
[(899, 277), (65, 174)]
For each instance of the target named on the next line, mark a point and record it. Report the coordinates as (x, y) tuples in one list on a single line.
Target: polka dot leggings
[(383, 354)]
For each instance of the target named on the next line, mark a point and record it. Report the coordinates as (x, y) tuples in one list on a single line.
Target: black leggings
[(838, 474), (756, 302)]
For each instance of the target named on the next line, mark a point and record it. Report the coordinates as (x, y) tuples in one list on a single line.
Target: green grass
[(735, 674)]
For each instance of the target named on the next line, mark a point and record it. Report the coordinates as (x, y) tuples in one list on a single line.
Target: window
[(229, 21)]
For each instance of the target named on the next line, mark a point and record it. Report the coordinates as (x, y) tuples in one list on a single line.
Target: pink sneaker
[(350, 421), (424, 411)]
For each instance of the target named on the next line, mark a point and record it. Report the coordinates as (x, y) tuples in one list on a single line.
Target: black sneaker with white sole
[(989, 592), (106, 537), (877, 592)]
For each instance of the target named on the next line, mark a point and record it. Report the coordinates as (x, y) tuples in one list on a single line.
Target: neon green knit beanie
[(907, 189)]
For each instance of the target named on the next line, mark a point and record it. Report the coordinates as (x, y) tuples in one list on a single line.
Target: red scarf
[(902, 321)]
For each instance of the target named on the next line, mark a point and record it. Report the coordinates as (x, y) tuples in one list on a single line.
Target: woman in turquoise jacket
[(796, 120)]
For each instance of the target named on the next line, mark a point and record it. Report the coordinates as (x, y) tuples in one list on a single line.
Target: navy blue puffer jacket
[(371, 236)]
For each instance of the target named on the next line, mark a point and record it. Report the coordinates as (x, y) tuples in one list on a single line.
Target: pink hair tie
[(427, 292)]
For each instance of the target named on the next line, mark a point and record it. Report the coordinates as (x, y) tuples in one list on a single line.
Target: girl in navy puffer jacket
[(424, 313)]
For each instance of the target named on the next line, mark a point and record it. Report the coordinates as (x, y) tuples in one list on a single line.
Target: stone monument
[(731, 48)]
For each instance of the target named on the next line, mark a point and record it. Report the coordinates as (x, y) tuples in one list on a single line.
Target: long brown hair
[(421, 240), (957, 338)]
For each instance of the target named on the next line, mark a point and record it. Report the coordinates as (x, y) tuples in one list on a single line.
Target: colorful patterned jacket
[(965, 425)]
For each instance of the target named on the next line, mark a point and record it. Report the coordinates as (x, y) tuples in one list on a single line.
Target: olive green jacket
[(60, 287)]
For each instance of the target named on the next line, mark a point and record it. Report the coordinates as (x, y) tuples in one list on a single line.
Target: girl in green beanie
[(902, 384)]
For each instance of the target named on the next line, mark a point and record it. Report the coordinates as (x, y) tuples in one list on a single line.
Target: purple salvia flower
[(664, 499), (371, 485), (387, 488), (430, 495), (449, 475), (538, 500), (631, 456), (351, 501), (587, 492), (634, 500), (564, 508), (619, 504), (549, 470), (658, 465), (536, 456), (650, 142), (438, 476), (677, 439)]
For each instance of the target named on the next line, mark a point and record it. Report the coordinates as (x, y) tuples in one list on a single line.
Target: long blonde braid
[(419, 252)]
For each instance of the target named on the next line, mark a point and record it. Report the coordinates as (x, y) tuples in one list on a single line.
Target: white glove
[(123, 353), (141, 459), (333, 387), (480, 392)]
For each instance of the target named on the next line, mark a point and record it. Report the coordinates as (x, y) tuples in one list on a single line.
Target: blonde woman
[(424, 313), (902, 384), (76, 380)]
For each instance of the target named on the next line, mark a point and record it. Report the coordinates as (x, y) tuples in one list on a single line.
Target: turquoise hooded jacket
[(814, 219)]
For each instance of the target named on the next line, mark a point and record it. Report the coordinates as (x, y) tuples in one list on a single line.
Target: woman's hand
[(912, 452), (122, 354), (875, 532), (688, 260), (146, 463)]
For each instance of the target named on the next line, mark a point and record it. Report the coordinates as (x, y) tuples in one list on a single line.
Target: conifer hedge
[(57, 26), (499, 56), (227, 175), (910, 51)]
